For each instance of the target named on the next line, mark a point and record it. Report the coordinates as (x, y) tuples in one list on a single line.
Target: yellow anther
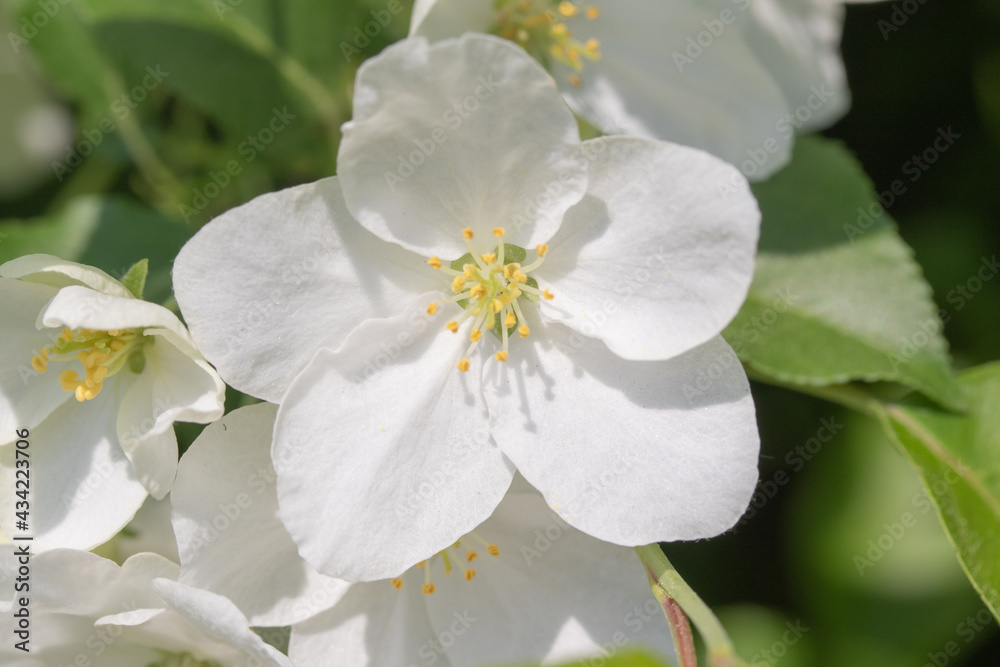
[(542, 250), (519, 277), (475, 335), (489, 257), (524, 331), (68, 379), (478, 291), (574, 55), (432, 308), (39, 364), (548, 295), (428, 589), (498, 232), (464, 365), (501, 355), (559, 29), (593, 45), (469, 271), (117, 345), (508, 271), (470, 574), (497, 305), (510, 320), (452, 326), (396, 583), (80, 392), (567, 8), (435, 262), (493, 550), (421, 563), (458, 284), (467, 233), (99, 373), (593, 12), (66, 335), (114, 332), (471, 556)]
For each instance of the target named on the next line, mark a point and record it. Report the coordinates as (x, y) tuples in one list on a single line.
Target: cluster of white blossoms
[(488, 351)]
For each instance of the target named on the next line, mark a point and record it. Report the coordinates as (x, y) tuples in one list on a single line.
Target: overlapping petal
[(653, 261), (676, 438), (229, 536), (265, 285), (440, 142), (382, 451)]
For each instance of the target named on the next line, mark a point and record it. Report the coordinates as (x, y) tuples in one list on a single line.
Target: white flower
[(85, 610), (617, 399), (728, 76), (96, 378), (524, 587)]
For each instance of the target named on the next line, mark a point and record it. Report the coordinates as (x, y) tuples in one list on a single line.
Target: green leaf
[(837, 295), (135, 279), (108, 233), (958, 458)]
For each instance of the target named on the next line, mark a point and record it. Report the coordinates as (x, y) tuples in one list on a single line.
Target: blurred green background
[(126, 124)]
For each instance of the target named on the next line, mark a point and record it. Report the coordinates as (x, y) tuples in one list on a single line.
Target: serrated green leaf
[(135, 280), (108, 233), (958, 458), (837, 295)]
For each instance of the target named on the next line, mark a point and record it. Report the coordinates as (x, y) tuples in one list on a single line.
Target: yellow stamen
[(567, 9), (489, 257), (476, 335), (471, 556), (501, 355), (396, 583), (458, 284), (510, 320), (435, 262), (499, 232), (478, 292), (432, 309), (452, 327), (493, 550), (548, 295), (542, 250), (593, 13), (464, 365), (467, 233), (497, 305), (470, 574), (428, 589), (524, 331)]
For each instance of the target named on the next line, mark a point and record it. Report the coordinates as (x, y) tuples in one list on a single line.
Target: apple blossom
[(97, 377), (617, 399)]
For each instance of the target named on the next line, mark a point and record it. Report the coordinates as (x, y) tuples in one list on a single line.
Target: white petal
[(373, 626), (83, 308), (629, 452), (55, 272), (798, 41), (173, 386), (553, 595), (219, 619), (266, 284), (91, 489), (226, 519), (467, 132), (382, 450), (724, 101), (440, 19), (26, 397), (653, 261)]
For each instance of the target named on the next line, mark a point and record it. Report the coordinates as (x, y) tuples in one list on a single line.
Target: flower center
[(539, 27), (101, 353), (489, 287), (450, 557)]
